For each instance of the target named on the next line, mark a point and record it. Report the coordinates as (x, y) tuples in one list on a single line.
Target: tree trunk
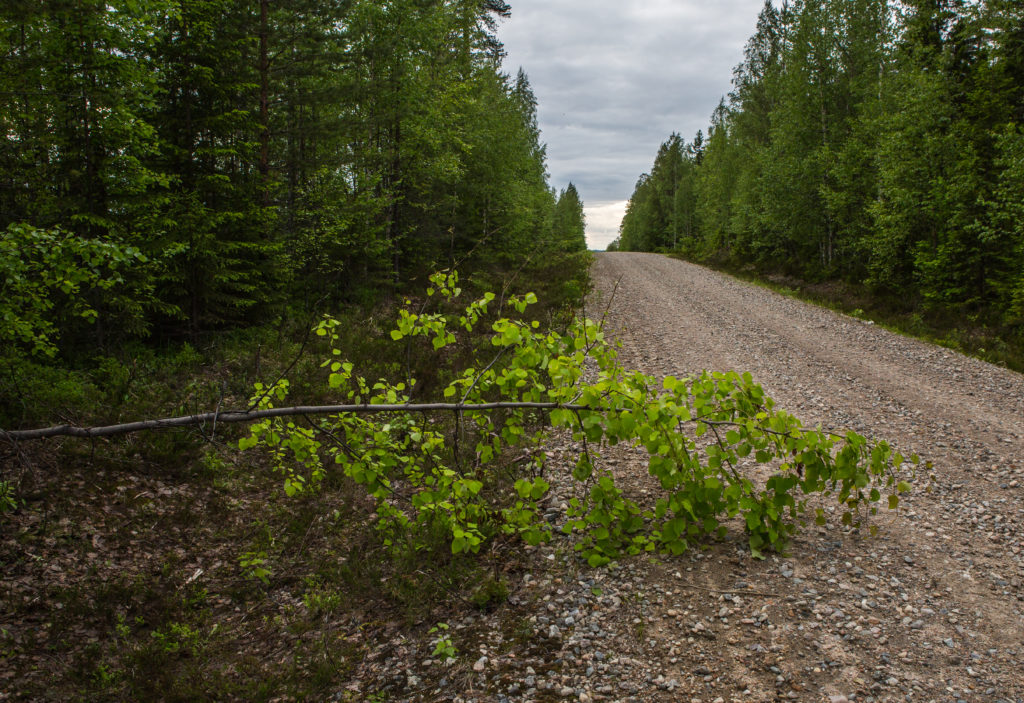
[(264, 70)]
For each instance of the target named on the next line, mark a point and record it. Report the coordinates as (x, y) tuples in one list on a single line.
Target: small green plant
[(252, 564), (195, 597), (320, 598), (123, 630), (8, 499), (103, 676), (490, 594), (213, 464), (6, 643), (521, 631), (179, 638), (443, 647)]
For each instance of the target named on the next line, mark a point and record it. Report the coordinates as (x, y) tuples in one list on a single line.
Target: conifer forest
[(170, 168), (865, 141)]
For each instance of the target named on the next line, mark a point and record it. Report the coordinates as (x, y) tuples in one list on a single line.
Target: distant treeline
[(174, 166), (869, 141)]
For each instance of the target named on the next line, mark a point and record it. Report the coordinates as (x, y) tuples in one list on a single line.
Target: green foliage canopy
[(44, 276)]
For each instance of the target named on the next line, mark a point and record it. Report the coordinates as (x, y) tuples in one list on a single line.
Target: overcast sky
[(613, 78)]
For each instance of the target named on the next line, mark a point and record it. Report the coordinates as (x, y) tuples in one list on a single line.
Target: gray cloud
[(614, 78)]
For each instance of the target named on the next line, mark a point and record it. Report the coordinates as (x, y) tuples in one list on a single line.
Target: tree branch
[(242, 416), (236, 416)]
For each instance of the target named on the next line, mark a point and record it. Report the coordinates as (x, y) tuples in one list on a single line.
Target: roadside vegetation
[(169, 565)]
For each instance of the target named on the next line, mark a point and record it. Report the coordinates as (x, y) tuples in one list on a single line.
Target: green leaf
[(539, 489)]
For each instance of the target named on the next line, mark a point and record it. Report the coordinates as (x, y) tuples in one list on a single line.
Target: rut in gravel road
[(933, 609)]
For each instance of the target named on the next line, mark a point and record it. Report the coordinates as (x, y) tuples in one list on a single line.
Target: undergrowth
[(165, 566)]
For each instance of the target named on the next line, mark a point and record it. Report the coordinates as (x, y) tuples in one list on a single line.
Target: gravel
[(931, 609)]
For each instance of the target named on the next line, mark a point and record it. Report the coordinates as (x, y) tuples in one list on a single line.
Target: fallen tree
[(244, 416), (702, 434)]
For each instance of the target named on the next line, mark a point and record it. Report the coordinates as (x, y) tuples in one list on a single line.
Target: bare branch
[(237, 416)]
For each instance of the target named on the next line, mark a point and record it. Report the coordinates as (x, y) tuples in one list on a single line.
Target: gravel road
[(931, 609)]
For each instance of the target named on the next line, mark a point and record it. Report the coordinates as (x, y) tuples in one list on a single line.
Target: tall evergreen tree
[(569, 225)]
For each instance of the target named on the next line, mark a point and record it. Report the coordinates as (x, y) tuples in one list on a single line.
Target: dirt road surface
[(933, 608)]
